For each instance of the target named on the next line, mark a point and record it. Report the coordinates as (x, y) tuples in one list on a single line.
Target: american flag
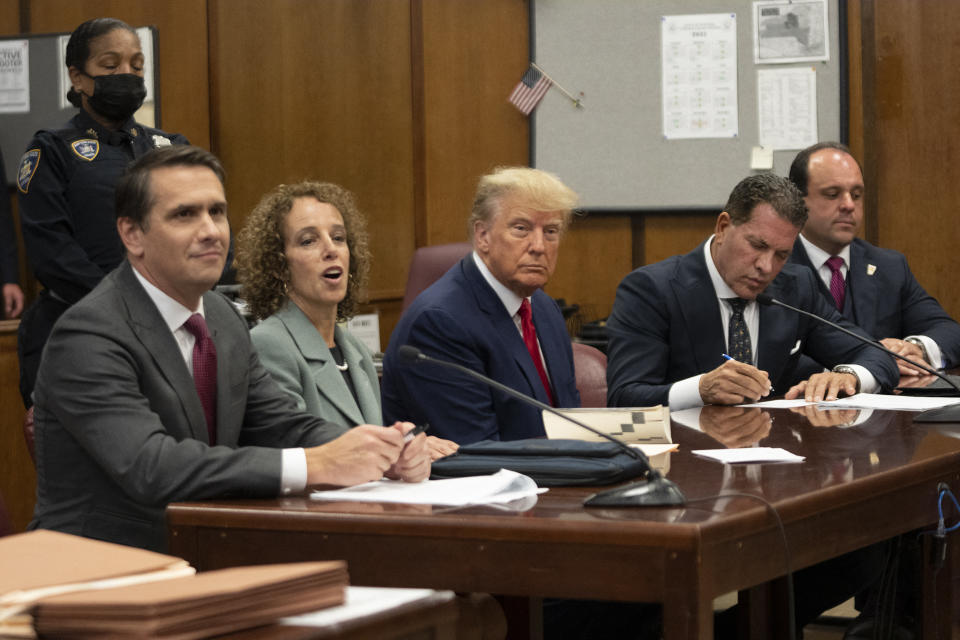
[(530, 90)]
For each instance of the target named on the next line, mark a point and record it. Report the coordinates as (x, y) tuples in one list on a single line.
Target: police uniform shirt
[(66, 182)]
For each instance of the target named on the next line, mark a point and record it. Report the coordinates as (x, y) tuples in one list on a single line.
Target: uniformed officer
[(66, 179)]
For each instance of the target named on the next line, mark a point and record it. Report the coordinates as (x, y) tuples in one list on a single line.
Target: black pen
[(417, 430)]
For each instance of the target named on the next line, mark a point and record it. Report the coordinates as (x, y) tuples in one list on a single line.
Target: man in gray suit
[(131, 410)]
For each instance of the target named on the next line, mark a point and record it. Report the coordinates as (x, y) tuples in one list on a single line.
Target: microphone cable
[(940, 549), (783, 537)]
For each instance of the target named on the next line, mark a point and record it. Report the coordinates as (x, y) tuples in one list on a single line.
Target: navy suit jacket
[(665, 326), (460, 319), (887, 301)]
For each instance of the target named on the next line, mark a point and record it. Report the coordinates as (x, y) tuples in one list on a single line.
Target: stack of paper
[(199, 606)]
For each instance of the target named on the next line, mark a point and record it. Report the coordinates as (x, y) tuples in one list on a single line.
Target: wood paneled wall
[(319, 90), (17, 475), (911, 114)]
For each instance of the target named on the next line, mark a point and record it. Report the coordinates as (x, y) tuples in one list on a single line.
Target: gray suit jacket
[(120, 430), (298, 359)]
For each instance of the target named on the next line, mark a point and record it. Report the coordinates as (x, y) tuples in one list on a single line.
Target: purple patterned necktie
[(204, 371), (838, 286)]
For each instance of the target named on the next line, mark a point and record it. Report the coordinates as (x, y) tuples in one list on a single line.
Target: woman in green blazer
[(303, 259)]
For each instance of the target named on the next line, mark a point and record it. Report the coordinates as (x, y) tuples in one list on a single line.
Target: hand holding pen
[(734, 382)]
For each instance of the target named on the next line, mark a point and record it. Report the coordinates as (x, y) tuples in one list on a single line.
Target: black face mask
[(117, 96)]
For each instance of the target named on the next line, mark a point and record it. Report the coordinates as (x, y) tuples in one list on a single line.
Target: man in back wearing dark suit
[(489, 313), (150, 392), (872, 287), (875, 288)]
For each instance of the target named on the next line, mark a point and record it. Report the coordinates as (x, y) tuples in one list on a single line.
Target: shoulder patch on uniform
[(86, 148), (28, 167), (161, 141)]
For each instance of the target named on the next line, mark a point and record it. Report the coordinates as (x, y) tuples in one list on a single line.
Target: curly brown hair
[(262, 264)]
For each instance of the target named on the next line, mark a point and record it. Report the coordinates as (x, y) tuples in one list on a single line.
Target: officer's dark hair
[(78, 47), (134, 198), (800, 169), (766, 188)]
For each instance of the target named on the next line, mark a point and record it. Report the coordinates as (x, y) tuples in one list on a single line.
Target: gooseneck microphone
[(653, 490), (932, 415)]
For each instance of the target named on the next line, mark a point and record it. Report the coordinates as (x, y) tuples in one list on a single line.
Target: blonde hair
[(533, 188)]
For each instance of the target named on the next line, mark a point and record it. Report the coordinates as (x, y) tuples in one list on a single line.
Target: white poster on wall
[(14, 76), (787, 107), (699, 76)]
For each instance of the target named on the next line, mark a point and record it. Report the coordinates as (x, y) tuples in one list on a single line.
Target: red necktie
[(530, 339), (838, 286), (204, 371)]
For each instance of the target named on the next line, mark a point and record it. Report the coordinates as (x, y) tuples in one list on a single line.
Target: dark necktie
[(738, 338), (204, 371), (838, 286), (530, 339)]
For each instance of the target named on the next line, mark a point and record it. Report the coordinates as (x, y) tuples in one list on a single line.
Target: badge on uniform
[(160, 141), (86, 148), (28, 167)]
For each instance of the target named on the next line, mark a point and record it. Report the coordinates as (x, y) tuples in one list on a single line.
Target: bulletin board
[(613, 151), (47, 88)]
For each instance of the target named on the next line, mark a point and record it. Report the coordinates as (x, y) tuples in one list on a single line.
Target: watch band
[(842, 368), (923, 348)]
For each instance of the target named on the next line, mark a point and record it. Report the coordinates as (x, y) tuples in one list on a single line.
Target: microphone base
[(653, 492), (949, 413)]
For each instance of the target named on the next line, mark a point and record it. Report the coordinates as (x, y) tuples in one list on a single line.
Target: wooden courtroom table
[(859, 485)]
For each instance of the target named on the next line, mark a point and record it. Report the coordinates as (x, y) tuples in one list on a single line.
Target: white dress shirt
[(511, 301), (293, 475)]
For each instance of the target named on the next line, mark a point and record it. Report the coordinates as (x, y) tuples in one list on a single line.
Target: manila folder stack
[(198, 606)]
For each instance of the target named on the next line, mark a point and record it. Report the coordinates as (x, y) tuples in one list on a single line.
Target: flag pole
[(576, 101)]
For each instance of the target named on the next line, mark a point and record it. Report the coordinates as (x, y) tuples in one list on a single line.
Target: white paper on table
[(361, 602), (898, 403), (502, 486), (778, 404), (749, 454)]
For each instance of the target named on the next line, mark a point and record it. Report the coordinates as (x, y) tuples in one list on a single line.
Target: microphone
[(950, 413), (653, 490)]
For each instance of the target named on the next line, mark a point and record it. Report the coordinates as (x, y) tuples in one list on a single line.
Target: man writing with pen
[(673, 321)]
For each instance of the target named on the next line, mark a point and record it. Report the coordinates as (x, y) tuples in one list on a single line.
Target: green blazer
[(291, 349)]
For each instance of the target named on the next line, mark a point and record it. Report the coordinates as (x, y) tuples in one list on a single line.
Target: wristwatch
[(842, 368), (923, 349)]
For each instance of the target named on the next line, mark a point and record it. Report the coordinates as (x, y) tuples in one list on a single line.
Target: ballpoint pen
[(729, 357)]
